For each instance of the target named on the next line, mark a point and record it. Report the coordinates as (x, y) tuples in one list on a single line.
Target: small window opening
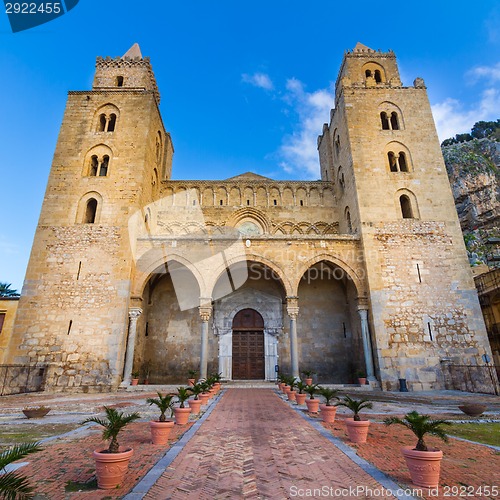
[(275, 202), (368, 73), (419, 276), (90, 211), (348, 220), (79, 271), (70, 325), (146, 330), (384, 120), (406, 210), (103, 171), (392, 161), (301, 203), (403, 165), (112, 123), (378, 77), (430, 330), (102, 123), (345, 330), (394, 121), (326, 175), (119, 81), (93, 165), (221, 203), (194, 203), (248, 202)]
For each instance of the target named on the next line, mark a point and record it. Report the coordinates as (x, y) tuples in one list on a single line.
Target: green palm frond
[(182, 395), (355, 405), (164, 403), (311, 390), (15, 486), (328, 394), (421, 425)]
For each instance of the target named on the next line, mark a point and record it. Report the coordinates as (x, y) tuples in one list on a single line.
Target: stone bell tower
[(111, 155), (382, 152)]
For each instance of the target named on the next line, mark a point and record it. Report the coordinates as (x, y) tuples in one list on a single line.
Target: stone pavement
[(254, 445)]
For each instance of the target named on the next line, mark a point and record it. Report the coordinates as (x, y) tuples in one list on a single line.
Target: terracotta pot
[(473, 410), (213, 392), (424, 466), (36, 413), (300, 398), (160, 431), (195, 405), (285, 388), (191, 382), (357, 430), (204, 396), (362, 381), (291, 395), (312, 405), (182, 415), (134, 381), (308, 381), (110, 468), (328, 413), (217, 386)]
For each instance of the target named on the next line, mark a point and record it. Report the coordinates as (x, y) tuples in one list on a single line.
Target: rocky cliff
[(474, 172)]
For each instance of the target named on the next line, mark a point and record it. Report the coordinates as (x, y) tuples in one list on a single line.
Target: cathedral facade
[(362, 271)]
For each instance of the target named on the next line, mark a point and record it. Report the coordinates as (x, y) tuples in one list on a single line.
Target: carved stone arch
[(285, 227), (250, 214), (222, 195), (301, 195), (415, 211), (395, 148), (107, 110), (155, 260), (358, 283), (99, 151), (262, 196), (248, 257), (370, 70), (389, 107), (248, 196), (83, 205), (314, 197)]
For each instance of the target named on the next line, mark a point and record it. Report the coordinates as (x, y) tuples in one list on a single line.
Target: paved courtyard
[(249, 443)]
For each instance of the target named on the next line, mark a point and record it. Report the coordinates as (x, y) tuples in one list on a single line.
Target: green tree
[(6, 291), (14, 486)]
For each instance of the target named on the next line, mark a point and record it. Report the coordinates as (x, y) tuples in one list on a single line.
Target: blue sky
[(244, 85)]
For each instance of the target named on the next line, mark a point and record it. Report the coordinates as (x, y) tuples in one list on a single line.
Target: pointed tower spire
[(362, 48), (133, 53)]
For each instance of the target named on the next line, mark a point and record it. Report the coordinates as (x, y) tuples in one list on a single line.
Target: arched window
[(348, 220), (406, 210), (340, 177), (403, 165), (94, 163), (101, 126), (90, 211), (384, 120), (337, 146), (368, 73), (392, 161), (378, 77), (394, 121), (103, 171), (119, 81), (111, 123)]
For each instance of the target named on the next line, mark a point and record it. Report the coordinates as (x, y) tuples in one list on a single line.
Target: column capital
[(134, 313), (205, 312), (292, 306), (362, 303)]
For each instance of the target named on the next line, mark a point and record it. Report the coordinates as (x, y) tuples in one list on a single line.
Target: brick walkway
[(254, 446)]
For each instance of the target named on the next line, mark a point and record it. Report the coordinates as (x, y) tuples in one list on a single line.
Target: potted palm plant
[(328, 410), (205, 395), (112, 464), (195, 403), (424, 463), (300, 396), (192, 374), (361, 377), (160, 429), (181, 413), (135, 378), (308, 376), (12, 484), (312, 403), (357, 428)]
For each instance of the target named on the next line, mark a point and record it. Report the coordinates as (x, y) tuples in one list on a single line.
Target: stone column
[(367, 346), (205, 314), (133, 313), (293, 311)]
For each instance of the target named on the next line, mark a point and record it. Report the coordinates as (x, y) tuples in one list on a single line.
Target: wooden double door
[(248, 346)]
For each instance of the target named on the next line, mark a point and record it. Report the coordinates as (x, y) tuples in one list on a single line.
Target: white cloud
[(453, 117), (260, 80), (299, 150)]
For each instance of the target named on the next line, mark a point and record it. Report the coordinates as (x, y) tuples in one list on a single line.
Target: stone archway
[(248, 353)]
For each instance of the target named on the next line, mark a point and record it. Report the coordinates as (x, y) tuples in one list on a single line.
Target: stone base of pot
[(300, 398), (357, 430), (291, 395), (182, 415), (110, 468), (312, 405), (424, 466), (195, 405), (160, 431), (328, 413)]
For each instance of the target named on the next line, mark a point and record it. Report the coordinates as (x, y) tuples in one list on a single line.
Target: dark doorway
[(248, 346)]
